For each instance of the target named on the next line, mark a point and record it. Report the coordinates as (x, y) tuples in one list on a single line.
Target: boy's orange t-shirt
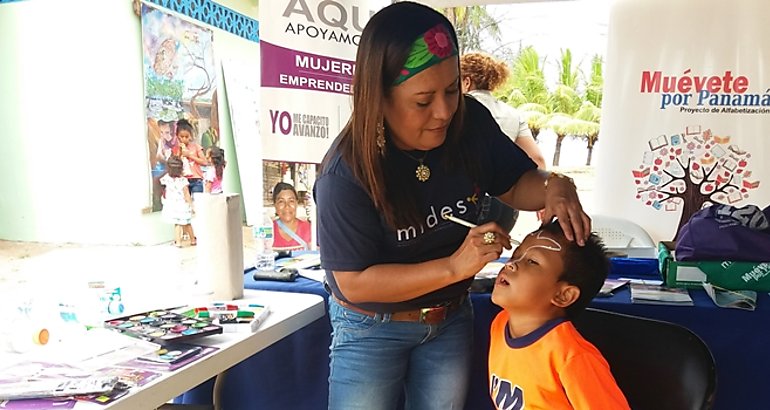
[(552, 368)]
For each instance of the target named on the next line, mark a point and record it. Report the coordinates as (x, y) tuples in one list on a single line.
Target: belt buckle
[(425, 315)]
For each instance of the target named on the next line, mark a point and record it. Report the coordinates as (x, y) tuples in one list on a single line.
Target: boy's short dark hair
[(585, 266)]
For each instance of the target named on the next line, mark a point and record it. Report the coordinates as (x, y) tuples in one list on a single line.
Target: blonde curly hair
[(485, 72)]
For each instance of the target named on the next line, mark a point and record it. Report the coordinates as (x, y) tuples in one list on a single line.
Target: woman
[(482, 74), (415, 149), (290, 233)]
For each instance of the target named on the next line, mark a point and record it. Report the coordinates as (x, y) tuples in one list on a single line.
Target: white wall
[(72, 123)]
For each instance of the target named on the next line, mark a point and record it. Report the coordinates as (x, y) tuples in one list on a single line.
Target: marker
[(458, 220), (222, 306)]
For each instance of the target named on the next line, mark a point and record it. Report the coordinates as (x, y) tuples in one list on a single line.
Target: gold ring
[(489, 238)]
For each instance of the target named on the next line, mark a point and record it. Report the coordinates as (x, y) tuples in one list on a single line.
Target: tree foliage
[(568, 76), (570, 108), (473, 25), (564, 99), (527, 76), (595, 83), (563, 109)]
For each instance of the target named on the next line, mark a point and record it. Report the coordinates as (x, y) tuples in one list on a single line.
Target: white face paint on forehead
[(556, 247)]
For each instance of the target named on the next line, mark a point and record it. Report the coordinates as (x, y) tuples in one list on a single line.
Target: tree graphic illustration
[(691, 170)]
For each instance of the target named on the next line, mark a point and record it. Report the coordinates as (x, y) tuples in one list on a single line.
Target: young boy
[(537, 359)]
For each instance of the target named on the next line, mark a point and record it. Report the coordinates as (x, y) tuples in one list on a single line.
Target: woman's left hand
[(562, 202)]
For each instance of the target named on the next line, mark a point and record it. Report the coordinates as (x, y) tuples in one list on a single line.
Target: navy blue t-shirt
[(353, 235)]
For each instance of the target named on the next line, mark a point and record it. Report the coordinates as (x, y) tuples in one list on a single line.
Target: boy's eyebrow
[(557, 248)]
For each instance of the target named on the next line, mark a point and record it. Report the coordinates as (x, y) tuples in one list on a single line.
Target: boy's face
[(529, 281)]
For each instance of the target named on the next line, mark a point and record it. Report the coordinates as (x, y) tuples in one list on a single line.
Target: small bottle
[(26, 336), (264, 237), (26, 328)]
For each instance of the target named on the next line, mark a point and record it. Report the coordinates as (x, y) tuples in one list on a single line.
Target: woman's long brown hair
[(383, 48)]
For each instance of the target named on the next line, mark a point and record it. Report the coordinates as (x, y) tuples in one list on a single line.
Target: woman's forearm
[(389, 283), (528, 194)]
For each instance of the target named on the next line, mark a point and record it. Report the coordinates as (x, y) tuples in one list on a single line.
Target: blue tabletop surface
[(292, 374)]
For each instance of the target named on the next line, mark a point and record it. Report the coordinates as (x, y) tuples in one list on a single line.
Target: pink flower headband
[(429, 49)]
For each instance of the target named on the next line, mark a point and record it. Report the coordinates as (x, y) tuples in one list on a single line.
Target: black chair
[(658, 365)]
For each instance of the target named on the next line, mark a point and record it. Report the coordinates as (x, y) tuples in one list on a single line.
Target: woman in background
[(290, 232), (482, 74)]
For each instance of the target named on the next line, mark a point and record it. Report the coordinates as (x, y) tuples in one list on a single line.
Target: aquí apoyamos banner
[(308, 50)]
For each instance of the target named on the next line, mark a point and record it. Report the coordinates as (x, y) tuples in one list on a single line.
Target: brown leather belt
[(429, 315)]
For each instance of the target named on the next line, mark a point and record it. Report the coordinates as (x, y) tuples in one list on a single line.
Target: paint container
[(91, 305), (25, 329), (26, 337)]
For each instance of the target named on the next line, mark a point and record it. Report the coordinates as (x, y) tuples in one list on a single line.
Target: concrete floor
[(163, 267), (21, 261), (48, 275)]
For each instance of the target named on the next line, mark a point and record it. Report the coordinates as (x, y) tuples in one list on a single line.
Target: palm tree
[(595, 83), (526, 89), (514, 97), (571, 115), (472, 24), (564, 100), (562, 110), (587, 130), (592, 115), (583, 123), (590, 110), (567, 75), (532, 113), (527, 76), (558, 123)]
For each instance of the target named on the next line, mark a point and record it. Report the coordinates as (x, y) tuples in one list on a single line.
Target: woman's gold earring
[(381, 137)]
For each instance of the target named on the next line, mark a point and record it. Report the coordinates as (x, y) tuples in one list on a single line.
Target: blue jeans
[(375, 360), (195, 185)]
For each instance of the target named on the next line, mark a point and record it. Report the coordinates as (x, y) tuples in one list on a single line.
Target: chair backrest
[(658, 365), (620, 233)]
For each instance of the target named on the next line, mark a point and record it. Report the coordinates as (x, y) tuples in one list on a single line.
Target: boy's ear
[(566, 296)]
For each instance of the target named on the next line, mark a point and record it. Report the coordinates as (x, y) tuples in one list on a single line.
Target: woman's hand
[(482, 245), (562, 202)]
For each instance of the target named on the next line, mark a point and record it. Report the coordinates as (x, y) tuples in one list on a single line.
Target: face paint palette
[(163, 326)]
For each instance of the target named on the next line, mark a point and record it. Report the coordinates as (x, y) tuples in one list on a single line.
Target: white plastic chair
[(620, 233)]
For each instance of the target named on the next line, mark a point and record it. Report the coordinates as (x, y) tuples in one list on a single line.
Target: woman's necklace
[(422, 172)]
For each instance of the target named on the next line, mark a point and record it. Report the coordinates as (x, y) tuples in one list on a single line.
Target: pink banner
[(289, 68)]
